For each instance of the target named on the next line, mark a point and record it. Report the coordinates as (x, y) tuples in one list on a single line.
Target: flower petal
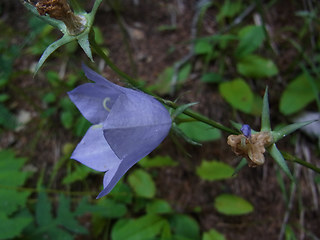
[(136, 125), (94, 101), (94, 151)]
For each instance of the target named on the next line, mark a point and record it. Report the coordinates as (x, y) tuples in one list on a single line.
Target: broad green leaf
[(229, 9), (11, 200), (297, 95), (203, 46), (158, 206), (12, 227), (185, 227), (277, 156), (199, 131), (213, 234), (229, 204), (66, 118), (211, 78), (256, 67), (143, 228), (157, 161), (237, 93), (251, 38), (142, 183), (214, 170)]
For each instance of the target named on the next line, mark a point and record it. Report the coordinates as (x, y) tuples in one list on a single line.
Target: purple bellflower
[(127, 126)]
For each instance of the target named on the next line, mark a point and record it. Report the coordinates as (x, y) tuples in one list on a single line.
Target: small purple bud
[(246, 130)]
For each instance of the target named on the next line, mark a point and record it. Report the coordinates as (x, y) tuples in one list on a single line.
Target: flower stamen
[(104, 104)]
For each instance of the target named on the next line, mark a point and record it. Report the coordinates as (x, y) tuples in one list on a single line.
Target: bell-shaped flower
[(128, 125)]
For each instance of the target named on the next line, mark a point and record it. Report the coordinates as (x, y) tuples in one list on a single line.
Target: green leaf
[(143, 228), (157, 161), (229, 9), (182, 108), (256, 67), (184, 73), (66, 118), (12, 200), (229, 204), (285, 131), (265, 116), (241, 164), (199, 131), (251, 38), (213, 235), (7, 119), (185, 227), (277, 156), (211, 78), (43, 210), (142, 183), (214, 170), (237, 93), (79, 174), (297, 95), (12, 227), (202, 46), (158, 206)]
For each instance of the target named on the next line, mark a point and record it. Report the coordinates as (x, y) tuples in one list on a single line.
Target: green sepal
[(277, 156), (284, 131), (53, 46), (265, 115), (243, 162), (182, 108), (83, 41), (180, 133)]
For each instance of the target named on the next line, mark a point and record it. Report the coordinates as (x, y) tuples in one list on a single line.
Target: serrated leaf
[(43, 210), (142, 183), (185, 227), (238, 94), (66, 218), (143, 228), (9, 162), (265, 115), (80, 173), (213, 234), (214, 170), (277, 156), (297, 95), (256, 67), (11, 200), (158, 206), (12, 227), (229, 204), (157, 161)]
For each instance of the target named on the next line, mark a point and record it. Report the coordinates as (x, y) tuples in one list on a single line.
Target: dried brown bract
[(60, 10), (251, 147)]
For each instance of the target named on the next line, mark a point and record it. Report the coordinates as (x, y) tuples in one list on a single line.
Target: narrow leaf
[(277, 156), (83, 41), (243, 162), (265, 116), (181, 109)]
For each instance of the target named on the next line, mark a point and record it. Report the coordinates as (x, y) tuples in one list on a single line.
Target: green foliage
[(142, 183), (229, 204), (199, 131), (297, 95), (184, 227), (157, 161), (12, 227), (214, 170), (229, 9), (79, 174), (213, 235), (143, 228), (256, 67), (158, 206)]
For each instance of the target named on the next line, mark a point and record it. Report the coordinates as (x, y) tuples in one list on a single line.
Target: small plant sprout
[(252, 145), (74, 25), (128, 125)]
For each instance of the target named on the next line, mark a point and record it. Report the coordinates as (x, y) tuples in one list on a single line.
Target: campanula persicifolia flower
[(127, 126)]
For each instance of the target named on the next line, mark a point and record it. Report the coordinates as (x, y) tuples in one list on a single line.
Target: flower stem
[(168, 103)]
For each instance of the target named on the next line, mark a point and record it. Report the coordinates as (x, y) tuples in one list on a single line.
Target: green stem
[(291, 158), (168, 103)]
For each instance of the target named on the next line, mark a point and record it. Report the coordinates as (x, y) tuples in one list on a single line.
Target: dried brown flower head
[(251, 147), (60, 10)]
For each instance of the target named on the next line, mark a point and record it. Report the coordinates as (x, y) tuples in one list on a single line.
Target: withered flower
[(251, 147)]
